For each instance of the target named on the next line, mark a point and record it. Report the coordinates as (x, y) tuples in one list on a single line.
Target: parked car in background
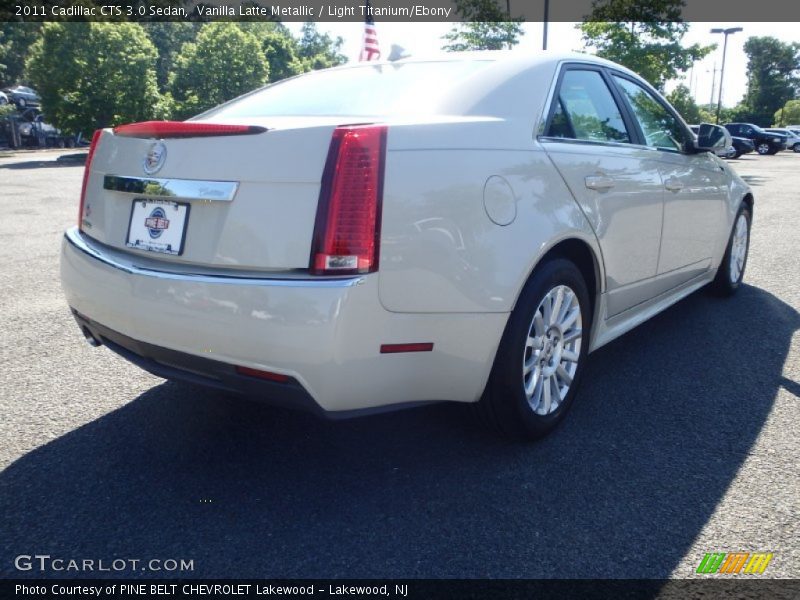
[(765, 143), (23, 97), (742, 146), (36, 132), (464, 228), (792, 137)]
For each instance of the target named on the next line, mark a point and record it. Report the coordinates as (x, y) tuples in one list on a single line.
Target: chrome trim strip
[(190, 189), (77, 241)]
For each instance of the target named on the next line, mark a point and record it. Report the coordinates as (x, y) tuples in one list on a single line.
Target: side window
[(661, 129), (586, 110)]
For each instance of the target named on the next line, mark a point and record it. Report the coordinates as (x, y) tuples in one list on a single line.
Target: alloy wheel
[(739, 245), (552, 350)]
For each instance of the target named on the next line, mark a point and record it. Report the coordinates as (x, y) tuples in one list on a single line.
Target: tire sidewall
[(727, 285), (507, 373)]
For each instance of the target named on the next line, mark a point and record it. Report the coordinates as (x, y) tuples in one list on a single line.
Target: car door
[(617, 184), (694, 184)]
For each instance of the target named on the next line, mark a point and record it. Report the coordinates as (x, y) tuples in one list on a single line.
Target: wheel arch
[(583, 255)]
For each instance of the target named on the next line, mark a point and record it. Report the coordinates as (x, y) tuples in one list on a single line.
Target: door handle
[(673, 185), (599, 182)]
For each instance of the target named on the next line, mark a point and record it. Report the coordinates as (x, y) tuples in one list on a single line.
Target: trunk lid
[(251, 200)]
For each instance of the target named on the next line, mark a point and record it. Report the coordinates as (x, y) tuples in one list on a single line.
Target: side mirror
[(711, 138)]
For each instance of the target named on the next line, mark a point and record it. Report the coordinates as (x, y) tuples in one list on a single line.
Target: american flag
[(370, 50)]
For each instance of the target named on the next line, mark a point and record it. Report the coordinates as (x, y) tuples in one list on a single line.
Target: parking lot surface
[(683, 440)]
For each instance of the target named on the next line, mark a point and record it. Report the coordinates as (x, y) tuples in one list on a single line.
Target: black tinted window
[(586, 110)]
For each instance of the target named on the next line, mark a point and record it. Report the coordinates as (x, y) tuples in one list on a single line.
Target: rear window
[(379, 90)]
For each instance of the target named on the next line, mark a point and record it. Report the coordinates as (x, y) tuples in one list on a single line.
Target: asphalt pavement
[(684, 440)]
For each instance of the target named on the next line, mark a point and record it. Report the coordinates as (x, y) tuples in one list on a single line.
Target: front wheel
[(796, 147), (731, 270), (763, 149), (541, 355)]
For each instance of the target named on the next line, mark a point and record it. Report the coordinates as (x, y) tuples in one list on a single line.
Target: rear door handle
[(599, 182), (673, 185)]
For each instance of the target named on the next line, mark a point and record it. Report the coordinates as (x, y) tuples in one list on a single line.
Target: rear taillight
[(183, 129), (347, 230), (86, 170)]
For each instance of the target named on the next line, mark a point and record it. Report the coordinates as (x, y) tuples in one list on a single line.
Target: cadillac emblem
[(155, 158)]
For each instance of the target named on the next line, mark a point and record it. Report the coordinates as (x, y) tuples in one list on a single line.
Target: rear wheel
[(539, 362), (731, 270), (796, 147)]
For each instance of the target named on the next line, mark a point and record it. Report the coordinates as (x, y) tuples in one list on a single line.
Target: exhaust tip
[(90, 338)]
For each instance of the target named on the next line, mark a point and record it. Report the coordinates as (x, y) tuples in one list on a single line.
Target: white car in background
[(465, 228), (793, 136)]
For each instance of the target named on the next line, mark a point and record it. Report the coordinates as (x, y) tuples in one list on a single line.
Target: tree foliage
[(280, 49), (16, 40), (772, 68), (485, 26), (319, 50), (681, 99), (223, 63), (168, 38), (788, 114), (643, 35), (93, 75)]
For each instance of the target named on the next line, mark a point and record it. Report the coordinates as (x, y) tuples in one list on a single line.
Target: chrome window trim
[(74, 237), (189, 189)]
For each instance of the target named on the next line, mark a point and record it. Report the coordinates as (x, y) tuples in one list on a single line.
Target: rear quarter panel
[(440, 251)]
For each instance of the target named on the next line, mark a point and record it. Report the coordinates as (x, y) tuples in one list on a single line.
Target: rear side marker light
[(183, 129), (397, 348), (267, 375), (86, 169), (347, 230)]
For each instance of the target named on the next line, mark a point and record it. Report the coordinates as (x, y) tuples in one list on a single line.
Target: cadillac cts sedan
[(380, 235)]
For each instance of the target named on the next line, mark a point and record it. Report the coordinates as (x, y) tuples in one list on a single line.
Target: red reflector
[(182, 129), (347, 229), (88, 165), (396, 348), (268, 375)]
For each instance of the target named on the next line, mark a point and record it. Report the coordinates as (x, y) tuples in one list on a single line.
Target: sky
[(425, 38)]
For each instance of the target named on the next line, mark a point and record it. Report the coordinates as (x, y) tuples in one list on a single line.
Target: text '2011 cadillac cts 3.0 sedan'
[(465, 228)]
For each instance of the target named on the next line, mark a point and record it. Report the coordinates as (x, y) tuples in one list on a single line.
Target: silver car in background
[(461, 228)]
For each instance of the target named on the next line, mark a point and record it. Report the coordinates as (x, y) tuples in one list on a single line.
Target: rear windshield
[(379, 90)]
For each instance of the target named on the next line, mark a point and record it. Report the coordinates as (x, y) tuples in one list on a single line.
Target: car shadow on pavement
[(664, 421)]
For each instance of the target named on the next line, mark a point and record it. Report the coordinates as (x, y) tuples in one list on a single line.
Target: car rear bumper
[(325, 334)]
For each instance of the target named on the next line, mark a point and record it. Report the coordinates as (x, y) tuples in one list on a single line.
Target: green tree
[(280, 48), (485, 26), (168, 38), (681, 99), (772, 68), (643, 35), (788, 114), (16, 39), (93, 75), (223, 63), (319, 50)]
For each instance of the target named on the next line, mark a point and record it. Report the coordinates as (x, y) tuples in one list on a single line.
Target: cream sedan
[(463, 228)]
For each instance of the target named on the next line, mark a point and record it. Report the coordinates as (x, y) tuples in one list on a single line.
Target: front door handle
[(599, 182), (673, 185)]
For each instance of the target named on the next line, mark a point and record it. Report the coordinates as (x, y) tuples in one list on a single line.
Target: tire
[(796, 147), (763, 149), (544, 360), (729, 276), (21, 102), (737, 155)]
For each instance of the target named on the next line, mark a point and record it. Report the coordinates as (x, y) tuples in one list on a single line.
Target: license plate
[(158, 226)]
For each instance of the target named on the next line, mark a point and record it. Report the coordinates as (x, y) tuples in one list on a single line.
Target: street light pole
[(727, 32), (544, 27)]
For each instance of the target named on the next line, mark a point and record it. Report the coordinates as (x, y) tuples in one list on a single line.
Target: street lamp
[(727, 32)]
